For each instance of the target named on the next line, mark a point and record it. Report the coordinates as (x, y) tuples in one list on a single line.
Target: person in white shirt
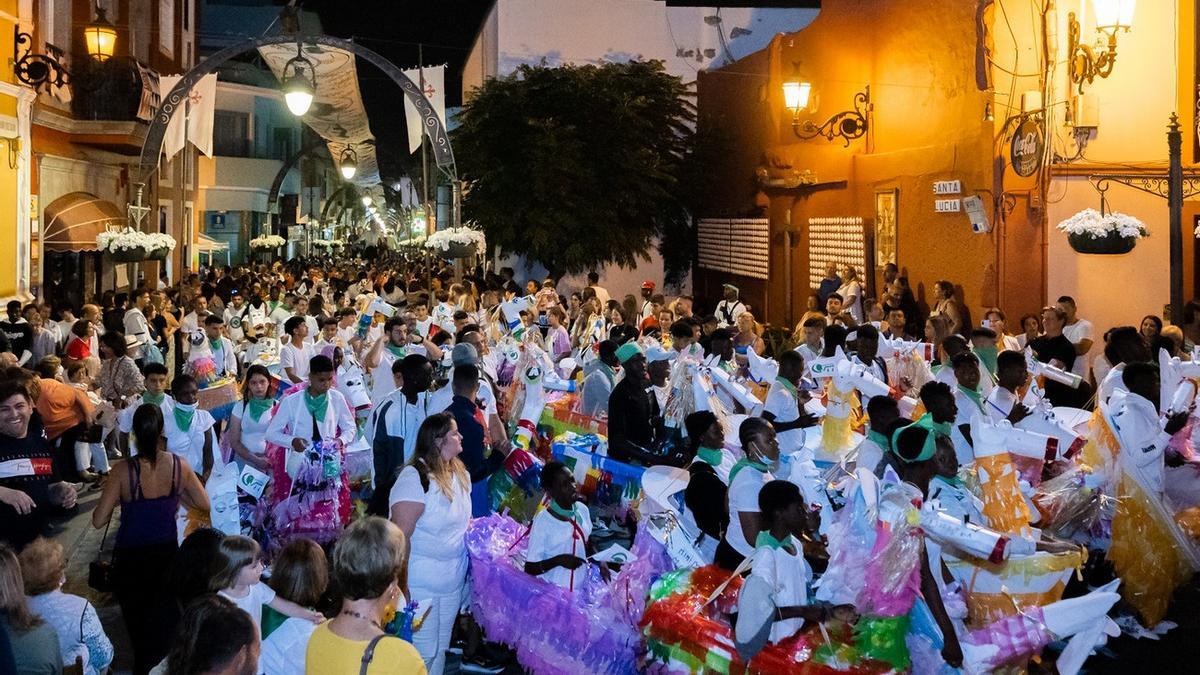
[(135, 320), (393, 425), (423, 322), (1079, 332), (558, 535), (882, 413), (773, 604), (300, 310), (784, 407), (236, 314), (300, 575), (851, 292), (395, 344), (814, 341), (318, 413), (761, 450), (155, 377), (730, 308), (189, 430), (223, 353), (295, 355), (867, 342), (1004, 402), (658, 367), (250, 418), (237, 576), (192, 321), (599, 382)]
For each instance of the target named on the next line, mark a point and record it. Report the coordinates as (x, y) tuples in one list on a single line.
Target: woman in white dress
[(248, 429), (851, 291), (431, 502)]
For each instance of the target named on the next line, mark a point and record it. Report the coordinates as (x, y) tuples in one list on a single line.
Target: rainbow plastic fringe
[(601, 480), (995, 590), (1145, 554), (573, 632), (1003, 505)]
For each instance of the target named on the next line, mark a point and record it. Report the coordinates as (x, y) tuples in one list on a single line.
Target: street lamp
[(299, 86), (1085, 64), (348, 163), (847, 124), (795, 95), (100, 36)]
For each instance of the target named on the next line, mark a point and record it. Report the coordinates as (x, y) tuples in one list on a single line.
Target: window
[(734, 245), (282, 144), (231, 134), (187, 14), (166, 26)]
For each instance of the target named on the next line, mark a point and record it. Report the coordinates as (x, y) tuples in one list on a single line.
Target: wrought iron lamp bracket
[(1148, 183), (848, 124), (37, 70), (1085, 64)]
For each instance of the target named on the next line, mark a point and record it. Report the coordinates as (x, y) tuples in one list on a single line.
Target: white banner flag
[(202, 105), (176, 136), (434, 79)]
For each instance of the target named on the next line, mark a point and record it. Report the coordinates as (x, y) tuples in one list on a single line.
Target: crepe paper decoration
[(1146, 553), (996, 590), (574, 632)]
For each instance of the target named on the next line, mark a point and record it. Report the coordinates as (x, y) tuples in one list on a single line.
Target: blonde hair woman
[(431, 502), (34, 642), (748, 336), (80, 633)]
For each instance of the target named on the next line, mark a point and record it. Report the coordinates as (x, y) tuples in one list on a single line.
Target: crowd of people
[(156, 396)]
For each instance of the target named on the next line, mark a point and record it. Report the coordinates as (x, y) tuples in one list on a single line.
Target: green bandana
[(398, 352), (768, 540), (880, 439), (788, 387), (988, 356), (257, 406), (183, 418), (565, 514), (927, 422), (710, 456), (974, 395), (215, 345), (742, 464), (316, 405), (156, 399)]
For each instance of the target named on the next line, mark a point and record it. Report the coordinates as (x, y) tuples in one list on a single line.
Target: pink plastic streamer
[(1016, 637), (572, 633), (893, 572)]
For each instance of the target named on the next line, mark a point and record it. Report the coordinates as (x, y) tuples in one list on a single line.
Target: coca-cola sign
[(1028, 147)]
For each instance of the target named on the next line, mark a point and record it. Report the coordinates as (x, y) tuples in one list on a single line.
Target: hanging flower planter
[(158, 254), (1110, 244), (160, 246), (1093, 232), (128, 255), (461, 242)]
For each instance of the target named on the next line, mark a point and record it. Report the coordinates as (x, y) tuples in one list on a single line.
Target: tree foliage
[(580, 166)]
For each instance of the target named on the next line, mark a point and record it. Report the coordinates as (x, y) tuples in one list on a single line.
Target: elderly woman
[(119, 380), (431, 502), (369, 563), (80, 635), (31, 641)]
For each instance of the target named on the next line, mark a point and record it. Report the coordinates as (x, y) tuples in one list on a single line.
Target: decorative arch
[(152, 148)]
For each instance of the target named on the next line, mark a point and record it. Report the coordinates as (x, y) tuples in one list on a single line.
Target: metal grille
[(735, 246), (838, 240)]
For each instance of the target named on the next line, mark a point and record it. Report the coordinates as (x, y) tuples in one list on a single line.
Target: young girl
[(300, 574), (237, 579), (558, 535)]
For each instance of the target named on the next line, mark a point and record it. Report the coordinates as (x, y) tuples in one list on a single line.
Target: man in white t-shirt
[(558, 535), (1079, 332), (295, 355), (784, 405), (235, 315), (135, 320)]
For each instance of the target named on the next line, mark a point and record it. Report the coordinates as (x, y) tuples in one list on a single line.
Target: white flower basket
[(460, 242), (1090, 231), (267, 241), (127, 245)]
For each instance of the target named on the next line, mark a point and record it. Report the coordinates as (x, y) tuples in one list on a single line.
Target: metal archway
[(152, 148), (288, 165)]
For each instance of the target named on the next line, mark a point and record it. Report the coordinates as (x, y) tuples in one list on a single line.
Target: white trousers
[(433, 639)]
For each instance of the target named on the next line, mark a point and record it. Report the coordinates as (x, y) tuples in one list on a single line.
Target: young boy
[(882, 413), (1004, 403), (155, 376), (559, 533), (773, 603)]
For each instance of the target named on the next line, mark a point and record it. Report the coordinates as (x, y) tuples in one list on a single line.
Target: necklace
[(350, 612)]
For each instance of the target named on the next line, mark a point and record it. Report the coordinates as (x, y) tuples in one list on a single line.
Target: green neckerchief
[(710, 456), (788, 387), (257, 406), (974, 395), (928, 449), (569, 515), (396, 351), (273, 305), (953, 482), (988, 356), (942, 429), (742, 464), (215, 345), (156, 399), (316, 405), (936, 368), (880, 439), (767, 539), (183, 418), (609, 372)]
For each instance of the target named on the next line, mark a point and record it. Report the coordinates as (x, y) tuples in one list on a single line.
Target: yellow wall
[(9, 221)]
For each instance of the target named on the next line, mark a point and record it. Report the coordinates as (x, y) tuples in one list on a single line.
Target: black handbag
[(101, 575)]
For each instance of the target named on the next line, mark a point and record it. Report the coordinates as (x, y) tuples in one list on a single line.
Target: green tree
[(581, 166)]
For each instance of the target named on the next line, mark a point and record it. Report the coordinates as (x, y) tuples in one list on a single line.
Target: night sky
[(394, 28)]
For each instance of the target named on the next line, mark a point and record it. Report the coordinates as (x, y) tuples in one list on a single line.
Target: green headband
[(931, 433)]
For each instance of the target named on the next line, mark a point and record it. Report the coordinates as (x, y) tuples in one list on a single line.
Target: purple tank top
[(146, 522)]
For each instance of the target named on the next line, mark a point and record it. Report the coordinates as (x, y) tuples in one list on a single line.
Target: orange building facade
[(950, 86)]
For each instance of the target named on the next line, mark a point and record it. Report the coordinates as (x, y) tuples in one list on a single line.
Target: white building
[(559, 32)]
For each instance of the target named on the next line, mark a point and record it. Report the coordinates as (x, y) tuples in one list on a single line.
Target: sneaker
[(87, 476)]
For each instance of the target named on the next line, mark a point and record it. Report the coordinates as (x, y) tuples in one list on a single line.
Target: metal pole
[(1175, 205), (424, 158)]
